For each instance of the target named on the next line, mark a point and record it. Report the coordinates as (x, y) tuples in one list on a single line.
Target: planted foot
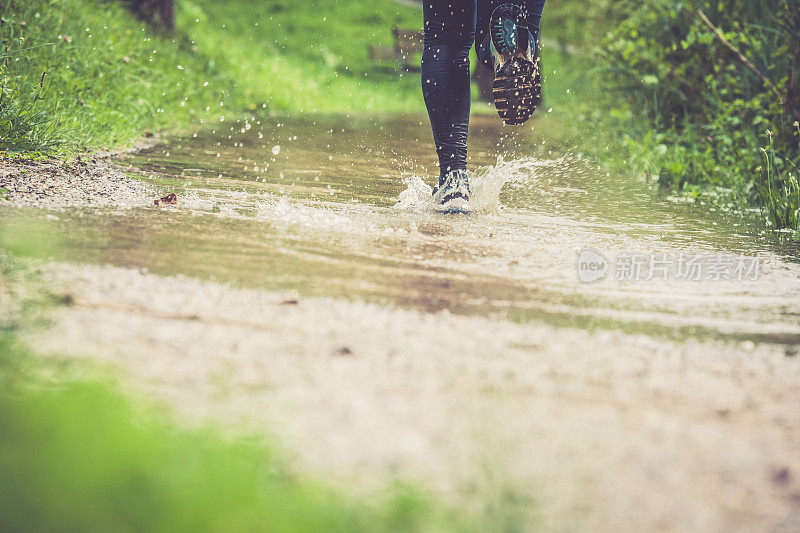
[(452, 194)]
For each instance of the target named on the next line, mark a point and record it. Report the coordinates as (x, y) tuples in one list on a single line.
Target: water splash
[(486, 184), (417, 196)]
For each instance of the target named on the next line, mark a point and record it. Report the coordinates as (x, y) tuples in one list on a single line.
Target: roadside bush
[(719, 82)]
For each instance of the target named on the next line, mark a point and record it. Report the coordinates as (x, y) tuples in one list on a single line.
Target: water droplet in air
[(276, 149)]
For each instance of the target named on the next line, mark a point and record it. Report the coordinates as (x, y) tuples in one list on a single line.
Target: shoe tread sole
[(517, 84), (517, 90)]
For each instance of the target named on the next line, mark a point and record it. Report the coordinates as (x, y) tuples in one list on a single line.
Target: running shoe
[(452, 193), (517, 83)]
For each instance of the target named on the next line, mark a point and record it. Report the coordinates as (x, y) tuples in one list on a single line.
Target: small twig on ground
[(748, 64), (7, 53)]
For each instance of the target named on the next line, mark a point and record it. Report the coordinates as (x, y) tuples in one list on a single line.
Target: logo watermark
[(592, 266), (630, 266)]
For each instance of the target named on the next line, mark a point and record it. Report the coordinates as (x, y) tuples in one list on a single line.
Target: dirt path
[(590, 431), (96, 181)]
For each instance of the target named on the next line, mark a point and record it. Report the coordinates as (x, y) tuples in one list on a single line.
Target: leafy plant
[(710, 78), (24, 126), (779, 189)]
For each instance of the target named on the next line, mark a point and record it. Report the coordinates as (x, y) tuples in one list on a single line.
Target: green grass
[(778, 188), (656, 94), (106, 78), (85, 74), (307, 56), (579, 116)]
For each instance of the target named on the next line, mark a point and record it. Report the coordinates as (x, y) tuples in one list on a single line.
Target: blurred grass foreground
[(79, 456)]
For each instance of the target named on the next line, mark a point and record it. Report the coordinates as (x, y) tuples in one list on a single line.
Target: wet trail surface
[(306, 287), (313, 206)]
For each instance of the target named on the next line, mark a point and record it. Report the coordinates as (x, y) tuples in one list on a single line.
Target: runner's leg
[(449, 33)]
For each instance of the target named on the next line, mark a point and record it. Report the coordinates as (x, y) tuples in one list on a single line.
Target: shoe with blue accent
[(452, 194), (517, 86)]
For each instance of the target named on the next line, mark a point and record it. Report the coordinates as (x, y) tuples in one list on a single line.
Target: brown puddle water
[(334, 206)]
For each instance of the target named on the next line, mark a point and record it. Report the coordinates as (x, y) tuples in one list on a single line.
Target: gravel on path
[(53, 184)]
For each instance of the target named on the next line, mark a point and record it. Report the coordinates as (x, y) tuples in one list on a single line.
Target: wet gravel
[(53, 184)]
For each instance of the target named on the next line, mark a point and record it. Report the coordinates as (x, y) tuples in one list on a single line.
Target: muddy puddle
[(339, 207)]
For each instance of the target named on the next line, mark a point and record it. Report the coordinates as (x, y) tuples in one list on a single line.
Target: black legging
[(449, 34)]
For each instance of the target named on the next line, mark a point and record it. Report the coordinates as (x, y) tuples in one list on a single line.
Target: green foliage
[(23, 127), (778, 189), (710, 109)]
